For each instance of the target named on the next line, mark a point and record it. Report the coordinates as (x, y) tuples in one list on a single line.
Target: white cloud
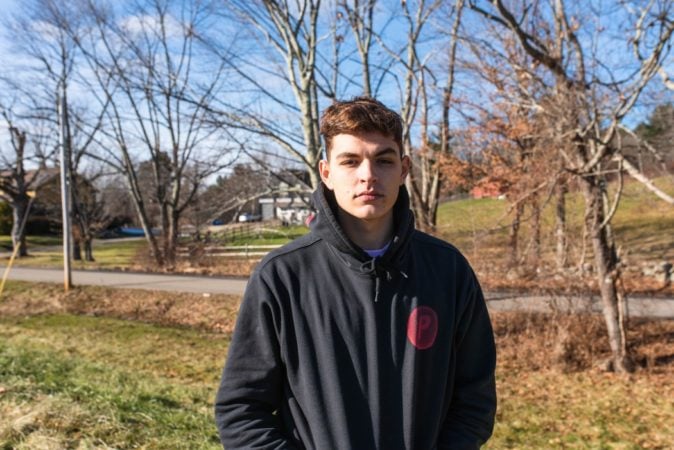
[(144, 23)]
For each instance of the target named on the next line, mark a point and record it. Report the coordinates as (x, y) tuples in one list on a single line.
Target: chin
[(368, 213)]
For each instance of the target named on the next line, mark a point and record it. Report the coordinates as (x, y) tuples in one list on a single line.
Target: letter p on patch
[(422, 327)]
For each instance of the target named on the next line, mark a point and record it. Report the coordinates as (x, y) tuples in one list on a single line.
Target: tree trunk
[(77, 250), (560, 226), (419, 208), (423, 185), (166, 232), (19, 209), (77, 235), (171, 238), (156, 253), (606, 272), (513, 237), (536, 224), (314, 176), (139, 204), (88, 249), (434, 198)]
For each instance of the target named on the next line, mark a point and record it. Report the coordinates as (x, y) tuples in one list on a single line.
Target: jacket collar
[(326, 226)]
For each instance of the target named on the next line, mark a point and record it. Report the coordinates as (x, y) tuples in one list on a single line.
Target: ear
[(324, 170), (406, 165)]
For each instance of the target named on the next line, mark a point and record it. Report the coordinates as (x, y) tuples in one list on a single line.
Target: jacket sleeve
[(470, 420), (251, 388)]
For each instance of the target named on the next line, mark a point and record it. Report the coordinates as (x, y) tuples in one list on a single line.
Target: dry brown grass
[(526, 341), (578, 342), (210, 312), (548, 281), (234, 266)]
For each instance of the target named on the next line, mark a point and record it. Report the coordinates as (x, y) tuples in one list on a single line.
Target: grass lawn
[(548, 409), (93, 381), (643, 226), (108, 254), (133, 253), (477, 227), (31, 241), (84, 382), (258, 234)]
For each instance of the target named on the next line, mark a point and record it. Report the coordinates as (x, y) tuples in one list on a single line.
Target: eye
[(385, 161), (349, 162)]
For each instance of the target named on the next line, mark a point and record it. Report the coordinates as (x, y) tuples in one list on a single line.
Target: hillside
[(643, 227)]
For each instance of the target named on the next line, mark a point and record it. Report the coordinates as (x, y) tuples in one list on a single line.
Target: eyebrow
[(382, 152)]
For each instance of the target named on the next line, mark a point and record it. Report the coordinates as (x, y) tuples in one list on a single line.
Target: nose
[(366, 172)]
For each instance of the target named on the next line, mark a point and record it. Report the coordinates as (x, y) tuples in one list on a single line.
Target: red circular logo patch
[(422, 327)]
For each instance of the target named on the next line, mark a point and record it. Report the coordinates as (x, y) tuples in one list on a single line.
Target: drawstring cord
[(370, 266), (376, 288)]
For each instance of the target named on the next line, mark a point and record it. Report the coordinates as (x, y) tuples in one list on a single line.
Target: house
[(33, 179), (42, 219), (291, 201), (489, 187)]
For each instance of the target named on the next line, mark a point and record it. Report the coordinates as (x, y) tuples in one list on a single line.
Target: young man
[(365, 333)]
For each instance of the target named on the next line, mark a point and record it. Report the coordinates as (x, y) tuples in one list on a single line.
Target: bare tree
[(90, 211), (144, 64), (286, 53), (415, 89), (232, 193), (300, 56), (428, 196), (46, 31), (517, 139), (292, 44), (361, 20), (653, 30), (586, 105), (26, 145), (417, 80)]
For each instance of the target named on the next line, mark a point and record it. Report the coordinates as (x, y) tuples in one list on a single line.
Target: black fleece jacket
[(336, 350)]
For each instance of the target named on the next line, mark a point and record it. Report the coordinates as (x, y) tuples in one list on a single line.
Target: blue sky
[(7, 7)]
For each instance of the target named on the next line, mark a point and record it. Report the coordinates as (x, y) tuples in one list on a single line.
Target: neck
[(367, 234)]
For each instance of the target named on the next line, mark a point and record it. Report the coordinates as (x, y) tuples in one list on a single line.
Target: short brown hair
[(360, 115)]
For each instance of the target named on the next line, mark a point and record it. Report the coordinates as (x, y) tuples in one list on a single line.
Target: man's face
[(365, 172)]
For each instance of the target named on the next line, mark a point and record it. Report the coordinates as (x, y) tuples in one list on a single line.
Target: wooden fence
[(246, 251)]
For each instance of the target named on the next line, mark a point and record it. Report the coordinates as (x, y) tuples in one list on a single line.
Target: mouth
[(369, 195)]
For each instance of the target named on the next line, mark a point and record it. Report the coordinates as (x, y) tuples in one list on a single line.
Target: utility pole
[(65, 187)]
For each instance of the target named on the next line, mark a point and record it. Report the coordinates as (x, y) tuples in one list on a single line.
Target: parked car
[(136, 231), (248, 217)]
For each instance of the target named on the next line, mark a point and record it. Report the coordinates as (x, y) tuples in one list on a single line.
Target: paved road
[(497, 301), (640, 306), (149, 281)]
